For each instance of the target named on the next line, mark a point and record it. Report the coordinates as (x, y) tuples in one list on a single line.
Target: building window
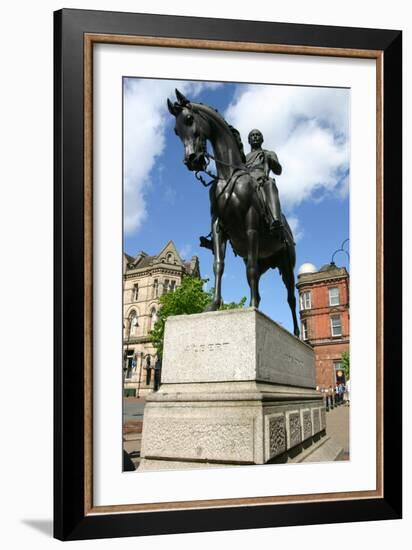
[(155, 288), (305, 330), (305, 300), (130, 362), (169, 258), (172, 286), (166, 286), (336, 325), (135, 292), (334, 296)]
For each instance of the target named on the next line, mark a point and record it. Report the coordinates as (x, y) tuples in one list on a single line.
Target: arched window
[(135, 292), (155, 288), (169, 258), (133, 323)]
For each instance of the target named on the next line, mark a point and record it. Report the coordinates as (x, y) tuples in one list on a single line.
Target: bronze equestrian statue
[(244, 208)]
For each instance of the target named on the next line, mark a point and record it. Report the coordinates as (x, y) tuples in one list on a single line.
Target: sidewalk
[(337, 427)]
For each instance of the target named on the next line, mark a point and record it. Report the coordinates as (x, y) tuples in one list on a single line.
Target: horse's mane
[(239, 142), (235, 132)]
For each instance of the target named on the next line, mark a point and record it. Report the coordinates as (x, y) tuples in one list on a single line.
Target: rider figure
[(260, 163)]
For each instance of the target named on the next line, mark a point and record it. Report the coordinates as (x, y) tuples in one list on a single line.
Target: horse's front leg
[(252, 268), (219, 251)]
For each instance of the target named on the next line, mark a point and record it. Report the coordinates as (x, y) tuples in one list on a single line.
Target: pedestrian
[(348, 392), (326, 392), (331, 397), (339, 393)]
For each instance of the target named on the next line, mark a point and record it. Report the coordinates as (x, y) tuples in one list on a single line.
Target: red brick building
[(324, 315)]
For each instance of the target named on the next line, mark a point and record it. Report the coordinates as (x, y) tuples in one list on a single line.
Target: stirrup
[(206, 243)]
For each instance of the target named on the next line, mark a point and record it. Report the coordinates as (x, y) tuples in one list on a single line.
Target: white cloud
[(295, 227), (145, 120), (308, 129), (185, 251)]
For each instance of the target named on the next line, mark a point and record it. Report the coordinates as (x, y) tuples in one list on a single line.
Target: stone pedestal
[(236, 389)]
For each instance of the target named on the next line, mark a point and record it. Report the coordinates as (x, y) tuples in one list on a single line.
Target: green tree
[(346, 364), (188, 298), (234, 305)]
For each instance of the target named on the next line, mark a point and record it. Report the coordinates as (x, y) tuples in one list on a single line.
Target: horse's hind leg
[(252, 267), (252, 264), (219, 251), (288, 278)]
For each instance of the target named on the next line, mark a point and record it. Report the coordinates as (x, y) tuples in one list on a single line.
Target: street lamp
[(341, 249)]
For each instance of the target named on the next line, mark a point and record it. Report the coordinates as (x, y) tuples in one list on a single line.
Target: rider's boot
[(273, 204), (205, 242)]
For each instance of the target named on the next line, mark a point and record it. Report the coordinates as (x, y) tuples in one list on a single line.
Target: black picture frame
[(71, 519)]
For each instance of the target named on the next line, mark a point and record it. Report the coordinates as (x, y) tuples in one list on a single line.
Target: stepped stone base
[(237, 389)]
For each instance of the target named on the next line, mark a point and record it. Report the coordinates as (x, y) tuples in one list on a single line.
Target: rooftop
[(327, 271)]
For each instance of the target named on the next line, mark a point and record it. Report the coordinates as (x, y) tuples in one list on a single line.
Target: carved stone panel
[(315, 421), (306, 424), (293, 429), (275, 435), (323, 418), (229, 439)]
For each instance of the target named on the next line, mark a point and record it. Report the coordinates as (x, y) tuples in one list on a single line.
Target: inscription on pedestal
[(294, 430), (315, 421), (306, 424), (211, 346)]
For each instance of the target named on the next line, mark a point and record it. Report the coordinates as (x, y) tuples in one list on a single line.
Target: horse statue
[(236, 205)]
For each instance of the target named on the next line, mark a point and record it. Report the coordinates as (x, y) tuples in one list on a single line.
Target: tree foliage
[(346, 364), (188, 298)]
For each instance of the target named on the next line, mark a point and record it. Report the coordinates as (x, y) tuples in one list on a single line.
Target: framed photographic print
[(227, 274)]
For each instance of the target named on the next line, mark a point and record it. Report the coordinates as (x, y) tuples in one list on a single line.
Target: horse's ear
[(171, 107), (181, 98)]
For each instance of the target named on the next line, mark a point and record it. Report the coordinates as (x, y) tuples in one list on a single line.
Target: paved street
[(337, 426), (133, 408), (132, 427)]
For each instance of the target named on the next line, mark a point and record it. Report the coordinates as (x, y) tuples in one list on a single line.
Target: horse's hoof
[(213, 306)]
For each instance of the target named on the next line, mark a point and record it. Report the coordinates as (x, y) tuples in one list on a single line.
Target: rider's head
[(255, 137)]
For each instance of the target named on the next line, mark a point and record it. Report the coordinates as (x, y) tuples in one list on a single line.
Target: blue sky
[(307, 127)]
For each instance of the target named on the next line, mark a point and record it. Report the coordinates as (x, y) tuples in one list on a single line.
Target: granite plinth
[(236, 389), (233, 345)]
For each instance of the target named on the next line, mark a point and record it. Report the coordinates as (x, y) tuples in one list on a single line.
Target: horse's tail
[(289, 246), (288, 231)]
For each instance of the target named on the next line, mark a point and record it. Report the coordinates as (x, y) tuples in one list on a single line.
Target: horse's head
[(192, 130)]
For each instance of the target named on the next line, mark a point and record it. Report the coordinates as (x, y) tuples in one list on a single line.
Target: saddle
[(207, 242)]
